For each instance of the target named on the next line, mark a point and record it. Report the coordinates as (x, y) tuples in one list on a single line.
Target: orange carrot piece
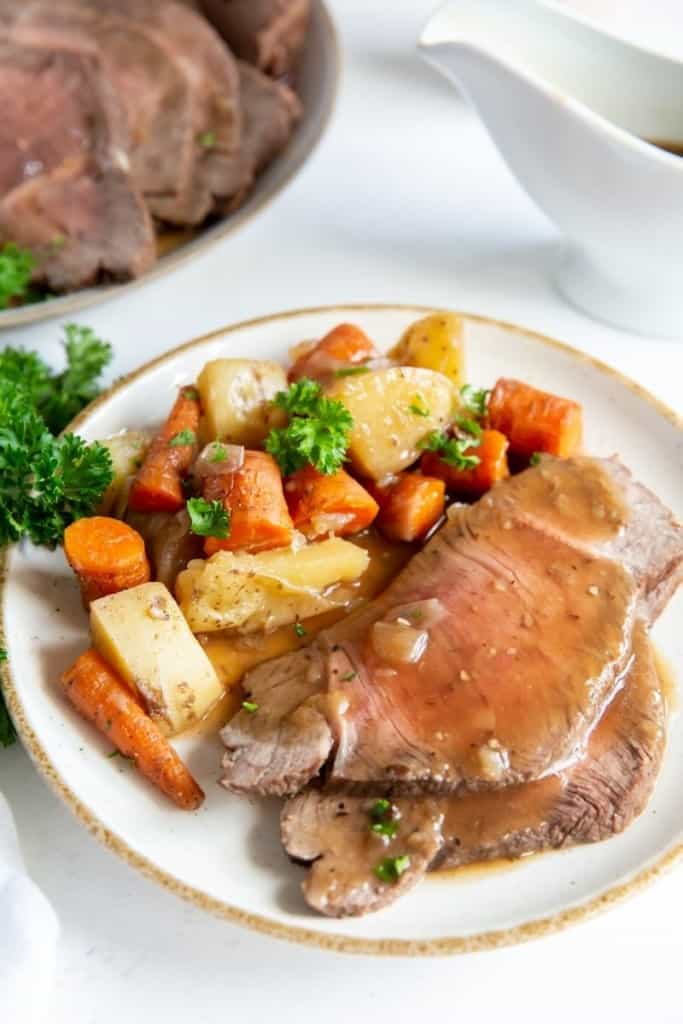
[(104, 699), (259, 518), (409, 506), (472, 483), (321, 504), (158, 486), (106, 555), (344, 346), (533, 420)]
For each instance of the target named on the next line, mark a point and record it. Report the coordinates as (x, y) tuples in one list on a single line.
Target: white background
[(406, 201)]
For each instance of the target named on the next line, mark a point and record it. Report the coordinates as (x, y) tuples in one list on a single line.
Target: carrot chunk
[(409, 506), (158, 486), (104, 699), (106, 555), (254, 497), (344, 346), (533, 420), (472, 483), (321, 504)]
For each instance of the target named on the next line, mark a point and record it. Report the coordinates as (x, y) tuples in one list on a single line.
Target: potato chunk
[(127, 451), (392, 409), (250, 593), (142, 634), (236, 396), (435, 343)]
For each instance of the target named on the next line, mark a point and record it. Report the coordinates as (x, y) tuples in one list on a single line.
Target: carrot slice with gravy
[(322, 504)]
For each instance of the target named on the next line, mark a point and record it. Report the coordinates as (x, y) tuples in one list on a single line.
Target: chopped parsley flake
[(418, 407), (183, 437), (351, 371), (299, 629), (348, 676), (535, 459), (250, 706), (474, 400), (453, 450), (390, 869), (207, 139)]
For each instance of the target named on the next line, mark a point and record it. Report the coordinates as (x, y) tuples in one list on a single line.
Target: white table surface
[(407, 201)]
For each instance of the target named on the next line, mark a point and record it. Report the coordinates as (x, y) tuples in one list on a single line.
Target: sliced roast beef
[(214, 86), (153, 89), (67, 193), (523, 606), (267, 33), (590, 801)]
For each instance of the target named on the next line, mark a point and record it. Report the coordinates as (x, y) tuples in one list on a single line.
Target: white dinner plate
[(317, 80), (226, 857)]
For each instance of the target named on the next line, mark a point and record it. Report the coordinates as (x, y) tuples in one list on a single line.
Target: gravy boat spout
[(581, 116)]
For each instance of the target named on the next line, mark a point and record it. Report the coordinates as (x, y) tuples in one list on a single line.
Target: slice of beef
[(212, 76), (267, 33), (538, 585), (153, 88), (269, 111), (67, 193), (591, 801)]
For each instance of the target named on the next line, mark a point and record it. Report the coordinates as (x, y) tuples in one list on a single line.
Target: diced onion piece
[(422, 614), (217, 458), (398, 643)]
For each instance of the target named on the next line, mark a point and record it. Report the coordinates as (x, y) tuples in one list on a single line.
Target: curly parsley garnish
[(317, 432), (208, 518), (452, 450), (59, 397)]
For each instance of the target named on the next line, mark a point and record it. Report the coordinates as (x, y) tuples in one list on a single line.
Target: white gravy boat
[(569, 106)]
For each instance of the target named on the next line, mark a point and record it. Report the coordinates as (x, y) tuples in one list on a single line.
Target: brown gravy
[(508, 814), (233, 656), (169, 239)]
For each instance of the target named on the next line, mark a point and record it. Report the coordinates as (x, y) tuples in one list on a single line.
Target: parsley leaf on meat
[(391, 868), (317, 432), (208, 518)]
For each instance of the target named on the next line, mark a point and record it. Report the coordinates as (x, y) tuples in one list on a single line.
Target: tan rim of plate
[(63, 305), (308, 936)]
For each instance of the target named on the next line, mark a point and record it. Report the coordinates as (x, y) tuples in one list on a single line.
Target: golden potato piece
[(258, 592), (142, 634), (435, 343), (392, 409), (236, 397)]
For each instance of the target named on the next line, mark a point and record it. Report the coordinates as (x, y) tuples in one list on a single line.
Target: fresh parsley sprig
[(455, 451), (45, 482), (317, 432), (208, 518), (59, 397)]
